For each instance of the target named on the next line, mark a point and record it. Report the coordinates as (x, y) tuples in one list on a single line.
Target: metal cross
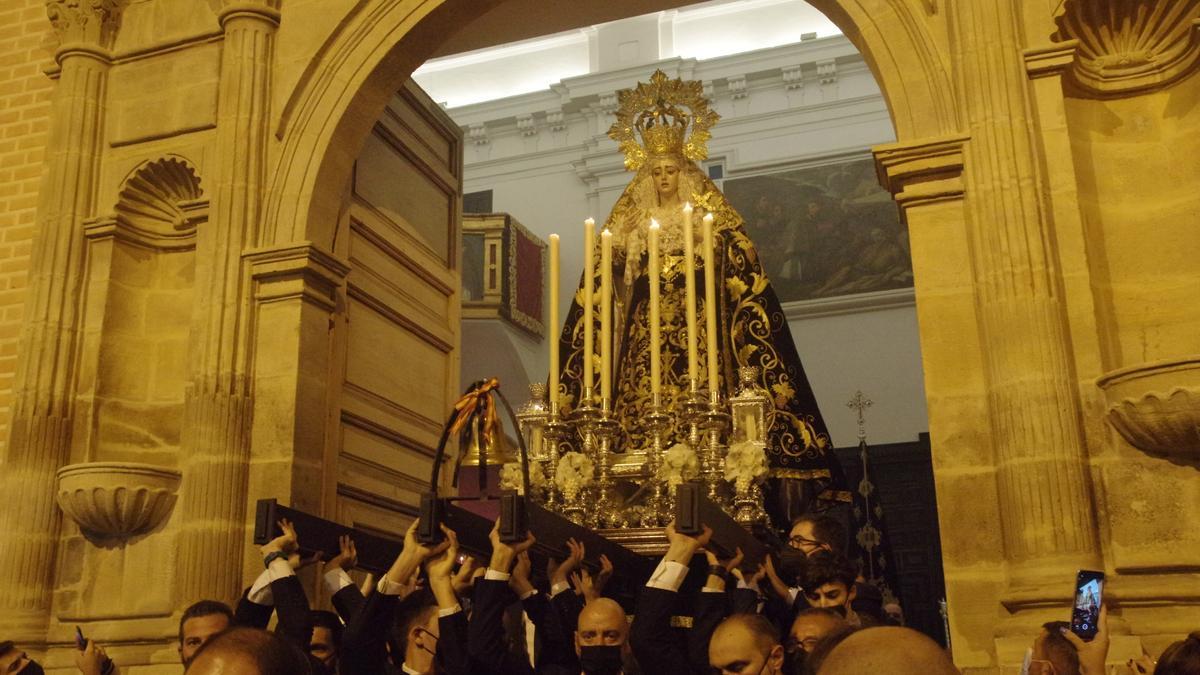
[(860, 402)]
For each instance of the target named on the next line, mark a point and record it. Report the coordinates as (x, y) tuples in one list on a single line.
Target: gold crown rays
[(653, 109)]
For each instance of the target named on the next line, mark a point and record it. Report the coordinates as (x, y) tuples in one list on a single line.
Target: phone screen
[(80, 641), (1089, 592)]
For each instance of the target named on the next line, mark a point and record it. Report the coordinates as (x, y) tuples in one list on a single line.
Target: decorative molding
[(298, 272), (116, 500), (1052, 60), (94, 22), (793, 77), (1127, 46), (922, 172), (827, 71), (737, 87), (849, 304), (526, 125), (477, 133), (554, 119), (1156, 406)]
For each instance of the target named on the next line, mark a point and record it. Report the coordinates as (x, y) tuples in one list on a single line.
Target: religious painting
[(824, 231)]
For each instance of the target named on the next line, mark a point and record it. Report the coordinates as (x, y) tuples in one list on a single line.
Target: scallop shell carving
[(1129, 45), (153, 200)]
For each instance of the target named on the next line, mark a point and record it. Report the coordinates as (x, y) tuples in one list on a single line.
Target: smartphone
[(1089, 593), (80, 641)]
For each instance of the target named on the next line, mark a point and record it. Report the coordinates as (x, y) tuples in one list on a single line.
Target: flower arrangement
[(574, 473), (745, 463), (510, 477), (679, 464)]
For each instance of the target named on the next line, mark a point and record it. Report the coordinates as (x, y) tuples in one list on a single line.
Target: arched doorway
[(991, 399)]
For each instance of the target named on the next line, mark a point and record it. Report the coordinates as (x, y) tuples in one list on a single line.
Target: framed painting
[(824, 231)]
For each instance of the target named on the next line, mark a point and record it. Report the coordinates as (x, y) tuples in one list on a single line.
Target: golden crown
[(653, 110)]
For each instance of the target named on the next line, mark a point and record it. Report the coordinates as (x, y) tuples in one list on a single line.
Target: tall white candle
[(606, 273), (655, 272), (589, 321), (689, 273), (554, 329), (710, 307)]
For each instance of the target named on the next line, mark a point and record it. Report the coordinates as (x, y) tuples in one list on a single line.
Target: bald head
[(745, 643), (892, 650), (248, 651), (602, 622)]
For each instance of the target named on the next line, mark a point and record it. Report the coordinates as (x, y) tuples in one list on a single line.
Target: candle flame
[(687, 206), (708, 217), (554, 237), (589, 221), (653, 224)]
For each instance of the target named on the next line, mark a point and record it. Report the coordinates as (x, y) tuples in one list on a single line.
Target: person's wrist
[(502, 561)]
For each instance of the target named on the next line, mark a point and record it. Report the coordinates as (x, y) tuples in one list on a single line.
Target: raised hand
[(287, 542), (520, 580), (559, 573), (465, 577), (781, 589), (91, 660), (347, 557), (504, 555), (682, 546), (439, 567), (1092, 655), (412, 555), (592, 587)]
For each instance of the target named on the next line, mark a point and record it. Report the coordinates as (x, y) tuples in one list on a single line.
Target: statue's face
[(666, 176)]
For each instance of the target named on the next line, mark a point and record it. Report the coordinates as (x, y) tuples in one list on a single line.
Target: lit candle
[(589, 321), (554, 327), (710, 306), (655, 325), (605, 316), (689, 270)]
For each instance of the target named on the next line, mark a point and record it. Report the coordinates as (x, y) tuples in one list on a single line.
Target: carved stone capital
[(923, 171), (90, 22), (1127, 46)]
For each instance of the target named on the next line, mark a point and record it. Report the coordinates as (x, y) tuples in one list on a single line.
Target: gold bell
[(499, 450)]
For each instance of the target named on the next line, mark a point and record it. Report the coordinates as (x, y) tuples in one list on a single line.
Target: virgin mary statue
[(753, 331)]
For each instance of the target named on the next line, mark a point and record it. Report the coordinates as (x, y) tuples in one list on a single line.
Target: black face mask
[(792, 564), (840, 609), (32, 668), (601, 659)]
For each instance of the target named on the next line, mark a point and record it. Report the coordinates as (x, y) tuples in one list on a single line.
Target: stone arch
[(379, 44)]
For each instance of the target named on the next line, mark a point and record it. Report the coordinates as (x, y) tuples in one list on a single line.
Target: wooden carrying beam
[(376, 553)]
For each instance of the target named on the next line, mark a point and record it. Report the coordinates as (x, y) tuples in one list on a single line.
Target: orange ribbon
[(470, 404)]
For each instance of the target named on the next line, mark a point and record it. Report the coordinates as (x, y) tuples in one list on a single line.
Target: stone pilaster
[(40, 432), (1046, 505), (218, 402)]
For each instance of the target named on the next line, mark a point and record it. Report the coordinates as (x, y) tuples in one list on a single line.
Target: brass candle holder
[(605, 431), (714, 421)]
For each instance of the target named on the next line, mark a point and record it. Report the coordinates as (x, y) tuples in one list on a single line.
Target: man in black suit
[(656, 646)]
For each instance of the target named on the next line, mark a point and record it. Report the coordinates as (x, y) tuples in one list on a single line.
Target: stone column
[(1045, 493), (218, 403), (39, 439)]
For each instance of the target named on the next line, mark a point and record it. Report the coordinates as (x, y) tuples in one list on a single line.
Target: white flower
[(510, 477), (745, 463), (574, 472), (679, 464)]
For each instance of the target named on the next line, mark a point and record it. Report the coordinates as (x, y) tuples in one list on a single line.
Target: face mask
[(792, 563), (840, 609), (600, 659), (32, 668)]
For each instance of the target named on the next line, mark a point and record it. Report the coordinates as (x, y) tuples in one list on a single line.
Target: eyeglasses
[(800, 542), (793, 645)]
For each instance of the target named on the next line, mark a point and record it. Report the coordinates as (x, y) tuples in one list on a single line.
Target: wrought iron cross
[(860, 402)]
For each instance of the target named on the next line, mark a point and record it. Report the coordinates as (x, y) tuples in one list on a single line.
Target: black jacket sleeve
[(657, 648), (557, 646), (291, 608), (708, 610), (485, 633), (363, 649), (252, 614), (452, 649), (348, 602)]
